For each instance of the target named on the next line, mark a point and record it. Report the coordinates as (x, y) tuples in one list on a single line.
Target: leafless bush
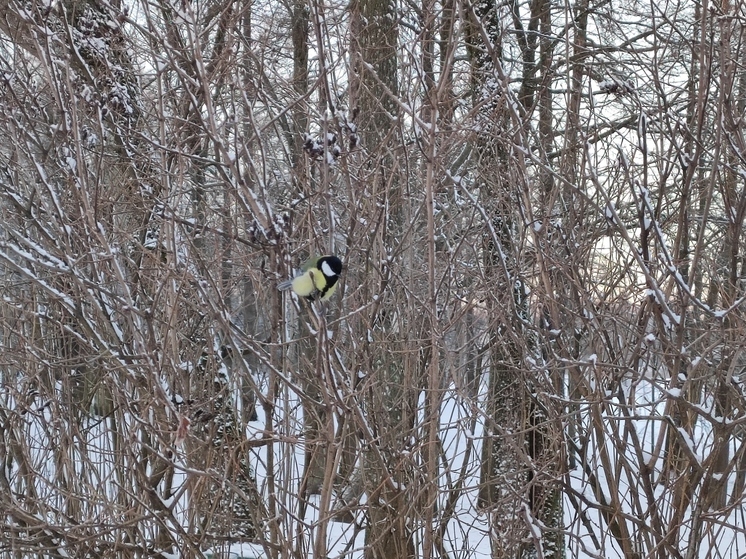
[(537, 344)]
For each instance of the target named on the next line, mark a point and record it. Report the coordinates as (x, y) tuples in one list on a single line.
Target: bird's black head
[(330, 266)]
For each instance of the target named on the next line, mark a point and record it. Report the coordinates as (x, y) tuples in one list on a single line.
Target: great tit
[(317, 279)]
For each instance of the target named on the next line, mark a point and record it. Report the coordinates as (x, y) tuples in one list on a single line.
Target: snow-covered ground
[(631, 443)]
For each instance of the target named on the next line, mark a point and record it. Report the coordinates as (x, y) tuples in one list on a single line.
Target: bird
[(317, 279)]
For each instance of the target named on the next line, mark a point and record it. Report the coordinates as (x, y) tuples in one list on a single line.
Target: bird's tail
[(285, 285)]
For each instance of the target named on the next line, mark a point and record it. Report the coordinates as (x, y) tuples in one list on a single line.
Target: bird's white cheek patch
[(328, 272)]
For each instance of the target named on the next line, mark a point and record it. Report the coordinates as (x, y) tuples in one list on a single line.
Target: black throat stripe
[(319, 294)]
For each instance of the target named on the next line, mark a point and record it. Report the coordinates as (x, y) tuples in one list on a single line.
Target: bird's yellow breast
[(309, 283)]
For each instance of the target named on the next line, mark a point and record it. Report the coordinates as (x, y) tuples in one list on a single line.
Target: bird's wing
[(309, 264)]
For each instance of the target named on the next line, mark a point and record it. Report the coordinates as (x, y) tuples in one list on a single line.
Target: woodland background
[(537, 348)]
